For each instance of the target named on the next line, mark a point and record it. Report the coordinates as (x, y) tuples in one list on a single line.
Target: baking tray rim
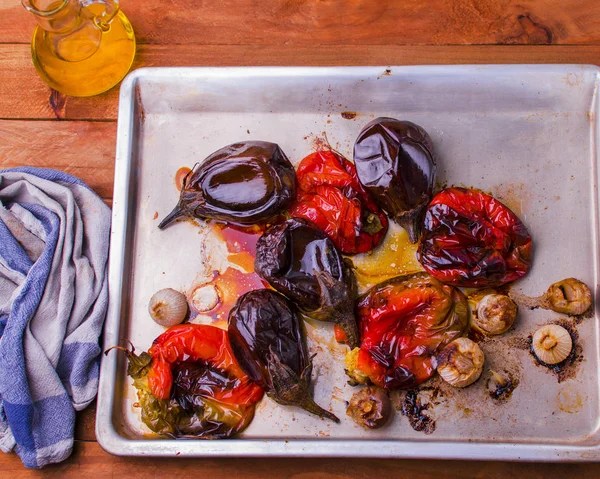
[(114, 443)]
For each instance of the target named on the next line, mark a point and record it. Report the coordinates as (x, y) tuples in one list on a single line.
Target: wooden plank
[(24, 96), (83, 149), (89, 460), (340, 22), (85, 424)]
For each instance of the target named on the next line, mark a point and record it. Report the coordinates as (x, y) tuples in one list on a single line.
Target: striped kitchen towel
[(54, 237)]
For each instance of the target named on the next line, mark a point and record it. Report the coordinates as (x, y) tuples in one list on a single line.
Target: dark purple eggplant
[(266, 338), (396, 163), (244, 184), (301, 262)]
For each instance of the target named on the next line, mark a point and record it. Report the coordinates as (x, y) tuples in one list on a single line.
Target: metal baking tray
[(528, 134)]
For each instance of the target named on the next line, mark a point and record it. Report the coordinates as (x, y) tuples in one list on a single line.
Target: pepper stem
[(137, 365), (172, 216)]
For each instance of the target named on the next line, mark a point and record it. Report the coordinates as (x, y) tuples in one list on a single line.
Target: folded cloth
[(54, 237)]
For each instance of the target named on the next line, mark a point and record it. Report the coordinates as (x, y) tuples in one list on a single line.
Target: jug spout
[(56, 16)]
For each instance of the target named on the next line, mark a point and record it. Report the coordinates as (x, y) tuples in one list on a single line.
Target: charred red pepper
[(189, 384), (331, 196), (471, 239), (403, 323), (199, 343)]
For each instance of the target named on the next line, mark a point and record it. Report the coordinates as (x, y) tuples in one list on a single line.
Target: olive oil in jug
[(81, 47)]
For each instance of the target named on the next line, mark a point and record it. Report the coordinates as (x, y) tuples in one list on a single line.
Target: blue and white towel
[(54, 237)]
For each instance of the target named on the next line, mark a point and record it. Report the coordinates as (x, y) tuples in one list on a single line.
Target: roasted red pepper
[(331, 196), (190, 385), (207, 344), (471, 239), (403, 323)]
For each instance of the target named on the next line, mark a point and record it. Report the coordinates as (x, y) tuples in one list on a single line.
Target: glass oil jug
[(81, 47)]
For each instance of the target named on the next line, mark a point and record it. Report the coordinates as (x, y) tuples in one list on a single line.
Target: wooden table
[(41, 127)]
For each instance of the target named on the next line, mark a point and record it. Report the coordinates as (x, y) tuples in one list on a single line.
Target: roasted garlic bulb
[(552, 344), (496, 313), (460, 363), (370, 407), (168, 307), (569, 296)]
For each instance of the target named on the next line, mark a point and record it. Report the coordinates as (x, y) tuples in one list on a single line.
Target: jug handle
[(103, 20)]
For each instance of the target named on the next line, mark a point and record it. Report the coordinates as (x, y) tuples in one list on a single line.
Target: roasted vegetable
[(396, 163), (568, 296), (301, 262), (168, 307), (370, 407), (331, 196), (495, 314), (404, 322), (552, 344), (190, 385), (471, 239), (267, 340), (460, 363), (243, 184)]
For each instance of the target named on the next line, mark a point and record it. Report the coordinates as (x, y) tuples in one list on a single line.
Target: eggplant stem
[(172, 216), (312, 407), (288, 389), (334, 306)]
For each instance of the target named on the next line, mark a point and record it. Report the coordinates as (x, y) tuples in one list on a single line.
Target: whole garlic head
[(552, 344), (569, 296), (496, 313), (168, 307), (461, 362)]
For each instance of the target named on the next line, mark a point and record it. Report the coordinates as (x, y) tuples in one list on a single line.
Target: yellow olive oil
[(395, 256), (85, 60)]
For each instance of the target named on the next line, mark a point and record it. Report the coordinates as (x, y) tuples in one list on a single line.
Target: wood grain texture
[(90, 461), (38, 101), (83, 149), (345, 22), (273, 32)]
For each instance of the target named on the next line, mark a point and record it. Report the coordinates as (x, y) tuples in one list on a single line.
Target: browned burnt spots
[(416, 411), (500, 385), (568, 368)]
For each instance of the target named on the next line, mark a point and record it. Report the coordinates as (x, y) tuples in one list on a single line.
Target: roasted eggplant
[(268, 342), (396, 163), (243, 184), (301, 262)]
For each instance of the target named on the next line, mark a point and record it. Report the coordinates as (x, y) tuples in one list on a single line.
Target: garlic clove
[(205, 297), (496, 313), (552, 344), (569, 296), (461, 362), (168, 307)]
